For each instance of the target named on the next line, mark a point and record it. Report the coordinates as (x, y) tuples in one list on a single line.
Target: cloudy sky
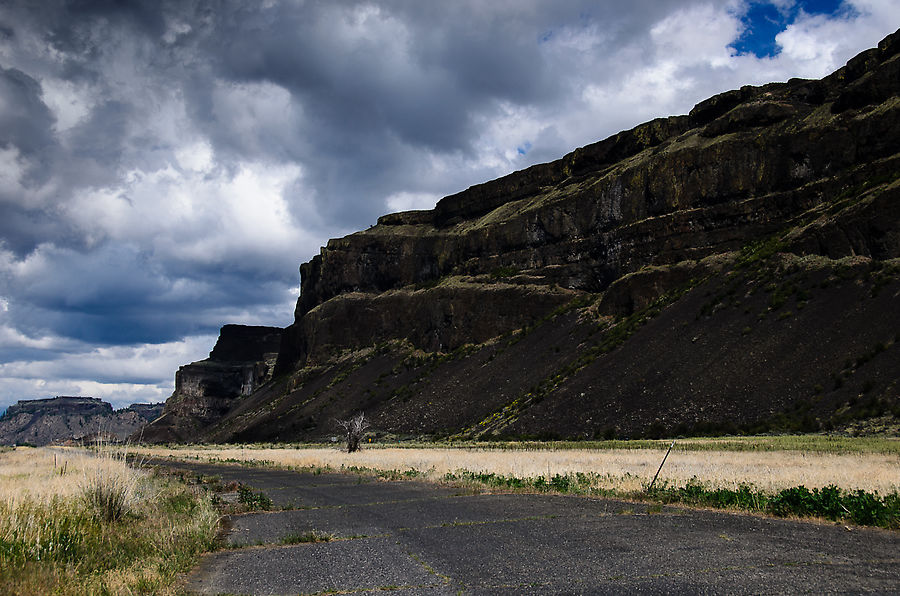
[(165, 166)]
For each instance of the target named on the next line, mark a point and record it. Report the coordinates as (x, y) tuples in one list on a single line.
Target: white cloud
[(70, 102), (13, 339), (411, 201), (698, 34), (196, 157), (120, 395), (101, 372), (199, 214), (816, 45)]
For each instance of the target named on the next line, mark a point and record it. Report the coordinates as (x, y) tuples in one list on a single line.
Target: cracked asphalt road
[(416, 538)]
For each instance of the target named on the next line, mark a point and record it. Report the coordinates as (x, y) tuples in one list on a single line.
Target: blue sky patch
[(763, 21)]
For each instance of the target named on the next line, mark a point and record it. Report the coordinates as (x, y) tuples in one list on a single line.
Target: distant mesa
[(65, 418)]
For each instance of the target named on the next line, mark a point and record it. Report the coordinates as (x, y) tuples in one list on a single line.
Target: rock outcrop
[(241, 361), (61, 419), (635, 286)]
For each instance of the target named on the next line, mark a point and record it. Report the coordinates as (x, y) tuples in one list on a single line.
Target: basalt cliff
[(242, 360), (733, 269)]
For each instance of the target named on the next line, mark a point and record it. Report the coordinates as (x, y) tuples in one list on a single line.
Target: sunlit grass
[(767, 463), (58, 535)]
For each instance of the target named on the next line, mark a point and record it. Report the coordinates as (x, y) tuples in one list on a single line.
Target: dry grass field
[(767, 464), (79, 522), (42, 475)]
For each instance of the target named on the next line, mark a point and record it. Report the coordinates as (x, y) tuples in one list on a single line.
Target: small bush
[(109, 496), (831, 502), (562, 484), (859, 506), (866, 509), (793, 501), (253, 500)]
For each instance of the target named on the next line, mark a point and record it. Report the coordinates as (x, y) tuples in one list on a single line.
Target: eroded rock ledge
[(242, 360)]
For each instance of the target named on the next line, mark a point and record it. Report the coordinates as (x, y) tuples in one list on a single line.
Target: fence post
[(649, 488)]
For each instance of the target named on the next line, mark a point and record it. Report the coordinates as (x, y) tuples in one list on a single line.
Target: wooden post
[(649, 488)]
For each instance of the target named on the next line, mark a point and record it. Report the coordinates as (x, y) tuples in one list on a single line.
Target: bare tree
[(355, 428)]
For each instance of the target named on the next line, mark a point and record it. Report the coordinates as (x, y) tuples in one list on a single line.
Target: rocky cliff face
[(694, 272), (61, 419), (241, 361), (738, 167)]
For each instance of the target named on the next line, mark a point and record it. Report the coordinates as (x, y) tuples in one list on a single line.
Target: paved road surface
[(414, 538)]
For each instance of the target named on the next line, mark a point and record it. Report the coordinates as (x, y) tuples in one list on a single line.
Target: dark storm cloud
[(366, 103), (380, 89), (26, 130), (127, 300), (423, 85), (25, 121)]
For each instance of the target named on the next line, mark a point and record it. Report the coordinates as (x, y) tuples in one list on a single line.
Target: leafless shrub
[(355, 428)]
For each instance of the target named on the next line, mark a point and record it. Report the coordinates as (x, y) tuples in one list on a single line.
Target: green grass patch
[(504, 272), (831, 502), (307, 537), (814, 443)]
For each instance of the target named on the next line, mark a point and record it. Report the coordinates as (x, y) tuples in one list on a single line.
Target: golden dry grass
[(54, 538), (42, 474), (618, 469)]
